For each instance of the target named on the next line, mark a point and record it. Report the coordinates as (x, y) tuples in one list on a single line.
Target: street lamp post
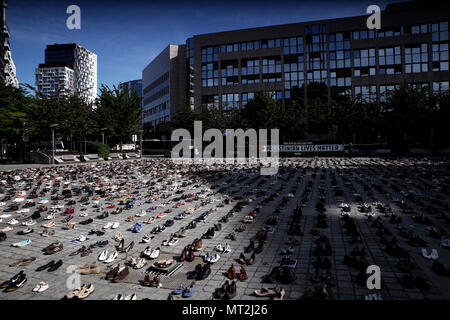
[(103, 134), (53, 126), (140, 149)]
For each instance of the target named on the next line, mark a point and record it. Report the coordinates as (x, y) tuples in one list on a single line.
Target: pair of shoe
[(137, 263), (40, 287), (171, 242), (106, 257), (111, 225), (136, 228), (89, 268), (211, 258), (231, 273), (121, 247), (151, 254), (227, 291), (248, 219), (433, 255), (221, 249), (187, 254), (81, 293), (53, 248), (185, 291), (200, 272), (117, 274), (15, 283), (51, 266), (120, 296), (209, 234), (156, 282), (22, 262), (250, 261), (25, 231)]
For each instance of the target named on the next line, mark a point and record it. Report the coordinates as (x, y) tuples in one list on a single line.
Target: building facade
[(225, 69), (81, 62), (130, 86), (163, 88), (343, 54), (55, 80), (7, 66)]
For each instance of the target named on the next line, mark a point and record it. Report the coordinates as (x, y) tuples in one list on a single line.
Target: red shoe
[(111, 206)]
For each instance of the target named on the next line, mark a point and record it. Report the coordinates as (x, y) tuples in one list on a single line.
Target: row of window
[(156, 109), (367, 93)]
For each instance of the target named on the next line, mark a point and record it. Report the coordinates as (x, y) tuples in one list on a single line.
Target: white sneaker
[(214, 258), (103, 256), (132, 296), (434, 254), (119, 297), (112, 257), (84, 214), (425, 253), (5, 215), (13, 222), (108, 225), (41, 287), (81, 238), (29, 222), (219, 248), (227, 248), (115, 225), (155, 253)]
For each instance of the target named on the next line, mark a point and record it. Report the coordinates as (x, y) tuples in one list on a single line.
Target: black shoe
[(129, 247), (194, 274), (121, 244), (218, 227), (48, 265), (220, 292), (85, 222), (231, 291), (12, 280), (19, 283), (55, 266), (250, 247), (260, 248), (205, 272)]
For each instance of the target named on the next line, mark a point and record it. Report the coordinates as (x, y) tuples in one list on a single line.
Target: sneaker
[(13, 222), (21, 243)]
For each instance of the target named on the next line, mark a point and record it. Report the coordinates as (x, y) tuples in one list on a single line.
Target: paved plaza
[(409, 210)]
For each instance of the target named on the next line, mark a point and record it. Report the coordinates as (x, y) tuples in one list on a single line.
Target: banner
[(304, 148)]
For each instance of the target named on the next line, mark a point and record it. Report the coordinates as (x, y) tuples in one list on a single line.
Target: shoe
[(25, 231), (243, 274), (45, 266), (155, 253), (11, 280), (92, 268), (242, 259), (115, 225), (108, 225), (55, 266), (103, 256), (132, 296), (231, 291), (86, 291), (251, 260), (231, 273), (204, 272), (112, 257), (121, 275), (227, 248), (188, 292), (21, 243), (111, 274), (40, 287), (19, 282), (179, 290)]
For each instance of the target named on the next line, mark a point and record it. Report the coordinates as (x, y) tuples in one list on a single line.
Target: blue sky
[(127, 35)]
